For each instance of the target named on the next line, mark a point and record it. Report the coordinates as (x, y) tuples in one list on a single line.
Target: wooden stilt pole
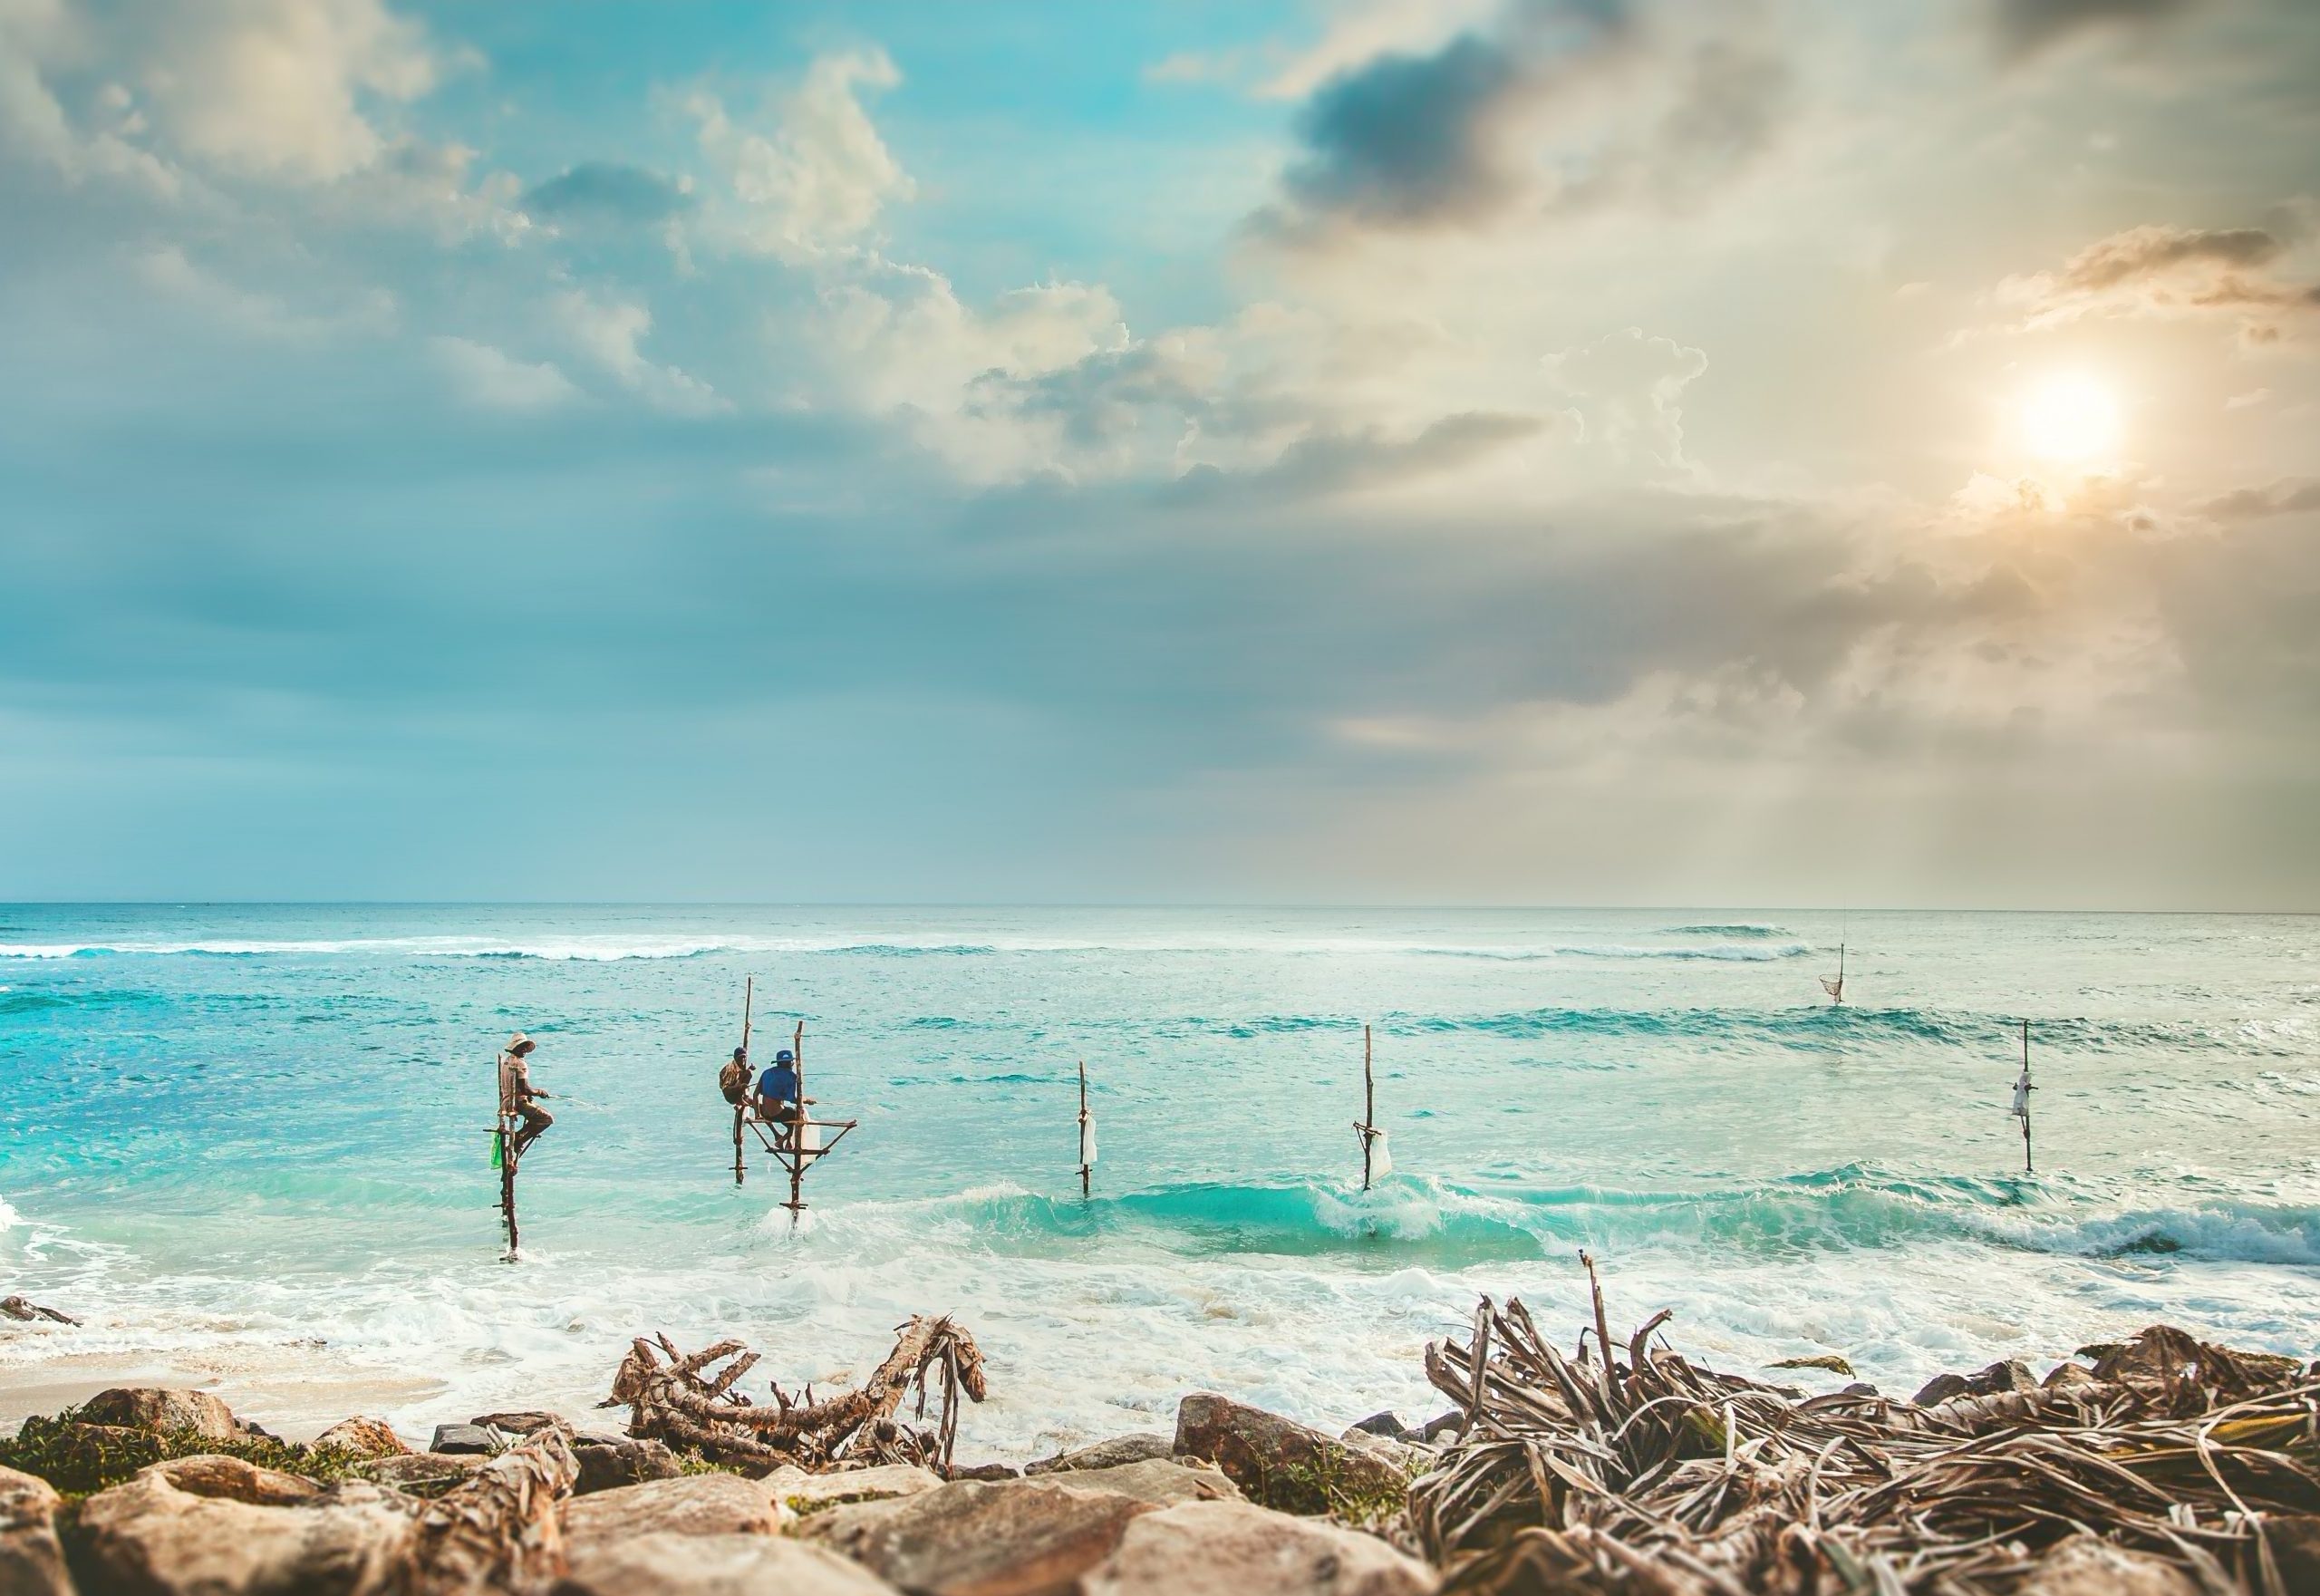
[(1368, 1107), (2026, 1167), (1084, 1168), (741, 1108), (508, 1186), (797, 1126)]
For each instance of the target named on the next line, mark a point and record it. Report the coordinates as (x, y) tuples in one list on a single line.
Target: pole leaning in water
[(741, 1108), (2022, 1095), (1368, 1126), (1086, 1138)]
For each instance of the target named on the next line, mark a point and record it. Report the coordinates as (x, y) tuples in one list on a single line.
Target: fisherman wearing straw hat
[(518, 1096)]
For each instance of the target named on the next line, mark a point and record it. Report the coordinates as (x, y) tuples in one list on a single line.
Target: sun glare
[(2071, 419)]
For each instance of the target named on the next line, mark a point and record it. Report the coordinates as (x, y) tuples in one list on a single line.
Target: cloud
[(820, 179), (607, 193), (2023, 28), (2161, 270), (1631, 390), (1557, 107), (1321, 465), (492, 378), (611, 332), (281, 88), (2288, 496)]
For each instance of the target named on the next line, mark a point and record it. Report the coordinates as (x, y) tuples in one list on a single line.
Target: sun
[(2071, 419)]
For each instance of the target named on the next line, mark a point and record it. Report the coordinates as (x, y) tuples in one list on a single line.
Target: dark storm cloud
[(607, 193), (2026, 26)]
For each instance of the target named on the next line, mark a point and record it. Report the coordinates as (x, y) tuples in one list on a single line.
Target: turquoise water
[(249, 1144)]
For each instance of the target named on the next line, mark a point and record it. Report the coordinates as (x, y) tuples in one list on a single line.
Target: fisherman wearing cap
[(517, 1095), (778, 1090)]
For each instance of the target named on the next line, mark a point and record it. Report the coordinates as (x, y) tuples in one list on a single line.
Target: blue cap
[(784, 1057)]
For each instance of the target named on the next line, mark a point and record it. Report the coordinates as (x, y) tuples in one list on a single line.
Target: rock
[(1106, 1454), (985, 1471), (1828, 1360), (368, 1437), (712, 1565), (969, 1538), (463, 1439), (2065, 1375), (151, 1538), (1161, 1481), (2085, 1566), (154, 1407), (1860, 1389), (796, 1491), (606, 1463), (231, 1479), (692, 1504), (1444, 1423), (1231, 1549), (518, 1423), (17, 1308), (424, 1474), (1997, 1378), (1281, 1464), (32, 1561), (1378, 1424)]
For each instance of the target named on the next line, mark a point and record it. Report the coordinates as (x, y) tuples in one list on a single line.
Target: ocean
[(250, 1146)]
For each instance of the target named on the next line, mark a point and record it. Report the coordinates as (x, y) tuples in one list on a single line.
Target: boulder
[(2085, 1566), (712, 1565), (985, 1471), (1232, 1549), (691, 1504), (1281, 1464), (1388, 1425), (1161, 1481), (607, 1462), (969, 1538), (368, 1437), (468, 1440), (231, 1479), (2064, 1375), (1106, 1454), (525, 1423), (32, 1561), (151, 1538), (156, 1408), (1997, 1378), (424, 1474), (797, 1492)]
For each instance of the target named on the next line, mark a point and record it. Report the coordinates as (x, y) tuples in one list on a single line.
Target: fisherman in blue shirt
[(778, 1089)]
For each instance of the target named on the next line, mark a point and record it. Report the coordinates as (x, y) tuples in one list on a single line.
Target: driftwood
[(17, 1308), (1660, 1477), (681, 1402), (498, 1531)]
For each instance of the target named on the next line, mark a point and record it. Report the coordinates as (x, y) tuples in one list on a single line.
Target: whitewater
[(250, 1146)]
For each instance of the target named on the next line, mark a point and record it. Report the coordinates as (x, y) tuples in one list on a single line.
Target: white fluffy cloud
[(818, 180), (491, 379)]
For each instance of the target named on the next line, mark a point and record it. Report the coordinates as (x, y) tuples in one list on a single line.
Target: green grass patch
[(79, 1459)]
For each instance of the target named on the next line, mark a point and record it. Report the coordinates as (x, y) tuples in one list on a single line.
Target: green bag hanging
[(498, 1148)]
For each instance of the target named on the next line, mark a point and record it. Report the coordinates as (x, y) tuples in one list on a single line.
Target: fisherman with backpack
[(518, 1098)]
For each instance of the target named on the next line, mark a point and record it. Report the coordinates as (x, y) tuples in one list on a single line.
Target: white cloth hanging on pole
[(2021, 1109), (1087, 1140)]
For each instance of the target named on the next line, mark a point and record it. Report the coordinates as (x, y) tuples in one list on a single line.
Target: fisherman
[(778, 1090), (734, 1079), (518, 1098)]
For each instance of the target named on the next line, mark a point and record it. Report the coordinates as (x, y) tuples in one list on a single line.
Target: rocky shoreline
[(2162, 1466)]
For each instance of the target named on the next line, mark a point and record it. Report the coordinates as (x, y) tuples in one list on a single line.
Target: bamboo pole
[(741, 1108), (508, 1187), (798, 1124), (1368, 1107), (1084, 1168), (2026, 1089)]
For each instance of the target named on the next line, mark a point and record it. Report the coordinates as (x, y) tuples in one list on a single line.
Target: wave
[(1737, 928), (1418, 1220)]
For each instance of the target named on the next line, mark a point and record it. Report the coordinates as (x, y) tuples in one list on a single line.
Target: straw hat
[(519, 1044)]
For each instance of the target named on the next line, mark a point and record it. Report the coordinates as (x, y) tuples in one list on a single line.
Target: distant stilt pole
[(741, 1108), (2027, 1166), (1368, 1107), (1087, 1141)]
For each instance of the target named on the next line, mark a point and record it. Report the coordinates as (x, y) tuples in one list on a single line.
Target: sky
[(1479, 451)]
